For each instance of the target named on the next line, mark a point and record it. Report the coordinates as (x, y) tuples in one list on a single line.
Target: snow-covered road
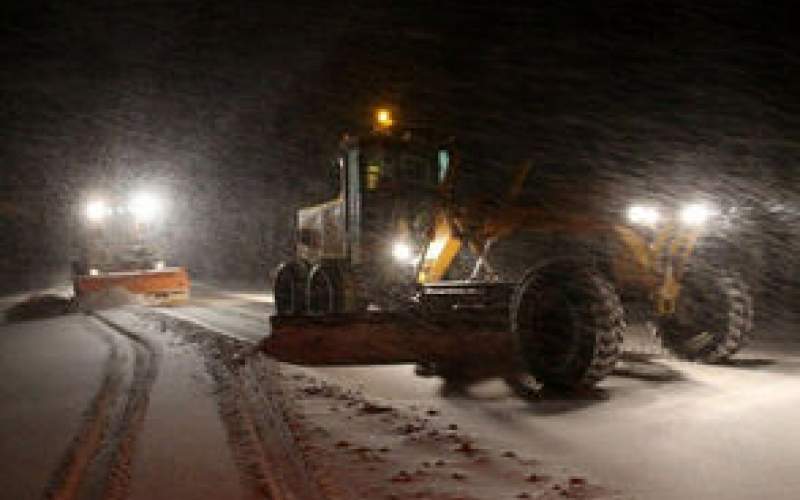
[(112, 405), (659, 429)]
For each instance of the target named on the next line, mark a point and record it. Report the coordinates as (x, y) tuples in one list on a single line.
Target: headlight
[(96, 210), (145, 207), (643, 214), (401, 251), (696, 214)]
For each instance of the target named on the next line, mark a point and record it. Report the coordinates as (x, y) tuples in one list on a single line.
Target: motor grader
[(417, 259)]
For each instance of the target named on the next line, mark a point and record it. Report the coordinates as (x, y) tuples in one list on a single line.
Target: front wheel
[(713, 316), (567, 323), (325, 294)]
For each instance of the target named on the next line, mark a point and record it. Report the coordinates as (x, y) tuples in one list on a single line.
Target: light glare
[(641, 214), (145, 206), (383, 117), (696, 214), (401, 251), (96, 211)]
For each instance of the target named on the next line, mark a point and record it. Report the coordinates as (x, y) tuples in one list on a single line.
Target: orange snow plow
[(161, 287), (120, 257)]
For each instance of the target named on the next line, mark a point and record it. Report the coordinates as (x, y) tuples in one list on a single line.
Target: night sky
[(234, 107)]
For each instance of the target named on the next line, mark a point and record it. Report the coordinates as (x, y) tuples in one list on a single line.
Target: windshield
[(394, 167)]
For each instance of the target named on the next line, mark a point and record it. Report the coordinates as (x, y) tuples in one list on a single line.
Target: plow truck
[(416, 261), (117, 251)]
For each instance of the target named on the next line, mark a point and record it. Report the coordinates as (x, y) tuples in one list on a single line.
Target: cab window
[(373, 176), (444, 164)]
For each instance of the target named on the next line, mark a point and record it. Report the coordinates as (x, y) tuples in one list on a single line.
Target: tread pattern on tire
[(610, 328), (295, 271), (329, 277), (738, 328), (601, 320)]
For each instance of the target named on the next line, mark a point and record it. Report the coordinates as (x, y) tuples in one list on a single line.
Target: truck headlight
[(402, 251), (96, 211), (145, 206), (696, 214), (643, 214)]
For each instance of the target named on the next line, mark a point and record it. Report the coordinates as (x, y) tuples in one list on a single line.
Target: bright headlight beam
[(696, 214), (145, 206), (642, 214), (401, 251), (96, 210)]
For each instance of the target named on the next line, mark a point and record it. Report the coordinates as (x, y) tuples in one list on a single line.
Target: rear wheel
[(289, 287), (567, 324), (713, 316)]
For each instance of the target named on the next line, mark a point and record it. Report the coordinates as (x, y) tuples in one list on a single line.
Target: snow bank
[(38, 307)]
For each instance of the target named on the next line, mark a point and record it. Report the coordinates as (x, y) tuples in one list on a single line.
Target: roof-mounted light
[(383, 118)]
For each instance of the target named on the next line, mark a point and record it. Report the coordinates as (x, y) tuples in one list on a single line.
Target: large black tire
[(713, 316), (289, 287), (567, 323), (326, 294)]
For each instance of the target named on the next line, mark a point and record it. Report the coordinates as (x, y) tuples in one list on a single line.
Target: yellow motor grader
[(117, 250), (418, 260)]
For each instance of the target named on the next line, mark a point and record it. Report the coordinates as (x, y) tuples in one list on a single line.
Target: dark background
[(233, 108)]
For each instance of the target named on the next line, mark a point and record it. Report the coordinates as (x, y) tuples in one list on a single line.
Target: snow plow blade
[(386, 338), (158, 287)]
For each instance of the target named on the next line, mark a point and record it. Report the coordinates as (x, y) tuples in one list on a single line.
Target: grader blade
[(385, 338)]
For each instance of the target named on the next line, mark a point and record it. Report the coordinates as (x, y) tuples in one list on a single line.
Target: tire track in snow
[(98, 462), (248, 402), (221, 322)]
